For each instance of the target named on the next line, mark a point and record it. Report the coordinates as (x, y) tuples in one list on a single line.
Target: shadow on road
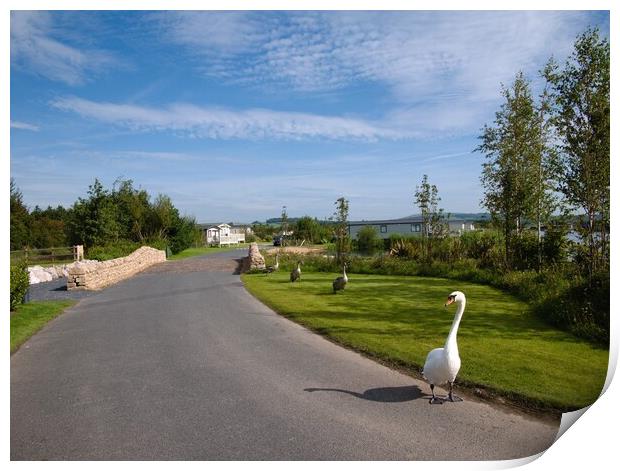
[(392, 394)]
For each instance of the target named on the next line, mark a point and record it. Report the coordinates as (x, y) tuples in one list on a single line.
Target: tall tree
[(93, 220), (19, 219), (514, 173), (433, 219), (543, 165), (341, 216), (580, 94)]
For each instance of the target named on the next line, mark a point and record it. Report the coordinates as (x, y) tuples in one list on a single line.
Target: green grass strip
[(29, 318), (504, 348)]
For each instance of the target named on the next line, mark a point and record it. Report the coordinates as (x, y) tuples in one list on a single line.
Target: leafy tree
[(368, 240), (580, 97), (94, 219), (309, 229), (183, 234), (263, 231), (544, 165), (433, 219), (133, 211), (163, 216), (341, 229), (20, 219), (514, 175)]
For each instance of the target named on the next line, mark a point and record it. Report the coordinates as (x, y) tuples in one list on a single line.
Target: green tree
[(94, 219), (433, 218), (309, 229), (20, 219), (513, 173), (133, 211), (368, 240), (263, 231), (341, 228), (183, 234), (580, 95), (163, 216)]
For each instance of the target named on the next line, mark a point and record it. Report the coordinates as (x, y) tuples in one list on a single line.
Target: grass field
[(503, 347), (29, 318), (195, 251)]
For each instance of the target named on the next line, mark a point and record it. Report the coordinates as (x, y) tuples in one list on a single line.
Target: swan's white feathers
[(443, 364), (441, 368)]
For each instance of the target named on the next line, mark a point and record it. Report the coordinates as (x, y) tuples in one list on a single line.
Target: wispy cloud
[(24, 126), (223, 123), (442, 70), (415, 53), (33, 48)]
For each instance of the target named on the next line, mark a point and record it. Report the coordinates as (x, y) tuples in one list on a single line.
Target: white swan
[(443, 364)]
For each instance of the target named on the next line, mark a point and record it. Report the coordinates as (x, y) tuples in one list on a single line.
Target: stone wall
[(101, 274), (254, 260)]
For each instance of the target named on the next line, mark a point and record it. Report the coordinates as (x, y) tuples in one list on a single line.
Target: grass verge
[(505, 349), (196, 251), (29, 318)]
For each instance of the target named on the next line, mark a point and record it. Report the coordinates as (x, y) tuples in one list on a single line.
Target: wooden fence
[(49, 256)]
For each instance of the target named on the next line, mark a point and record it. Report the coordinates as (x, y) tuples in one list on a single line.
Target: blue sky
[(236, 114)]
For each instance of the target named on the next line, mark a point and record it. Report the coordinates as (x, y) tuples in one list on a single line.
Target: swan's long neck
[(451, 345), (344, 273)]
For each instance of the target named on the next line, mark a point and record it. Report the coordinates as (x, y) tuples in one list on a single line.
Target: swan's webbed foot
[(435, 399), (453, 397)]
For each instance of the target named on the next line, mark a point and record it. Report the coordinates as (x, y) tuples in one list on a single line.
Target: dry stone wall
[(101, 274)]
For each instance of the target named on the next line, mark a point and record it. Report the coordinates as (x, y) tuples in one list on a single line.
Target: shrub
[(122, 248), (19, 284), (368, 241)]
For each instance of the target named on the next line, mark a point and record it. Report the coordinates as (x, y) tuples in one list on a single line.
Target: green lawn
[(196, 251), (29, 318), (400, 319)]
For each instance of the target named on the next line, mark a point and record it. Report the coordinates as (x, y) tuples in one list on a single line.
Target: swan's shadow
[(391, 394)]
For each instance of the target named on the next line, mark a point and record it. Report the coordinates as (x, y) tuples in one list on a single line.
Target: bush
[(19, 284), (122, 248), (368, 241), (581, 307)]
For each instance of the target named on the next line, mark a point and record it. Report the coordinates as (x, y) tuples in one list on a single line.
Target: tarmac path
[(181, 363)]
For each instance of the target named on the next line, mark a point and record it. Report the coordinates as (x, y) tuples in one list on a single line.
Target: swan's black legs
[(434, 399), (452, 397)]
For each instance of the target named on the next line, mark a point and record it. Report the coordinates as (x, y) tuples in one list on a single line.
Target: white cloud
[(415, 53), (223, 123), (24, 126), (34, 49), (442, 69)]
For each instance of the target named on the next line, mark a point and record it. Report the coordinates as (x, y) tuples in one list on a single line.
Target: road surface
[(181, 363)]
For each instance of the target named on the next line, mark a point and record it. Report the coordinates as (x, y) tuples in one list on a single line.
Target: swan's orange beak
[(449, 301)]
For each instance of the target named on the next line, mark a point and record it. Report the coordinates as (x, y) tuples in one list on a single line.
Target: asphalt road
[(180, 363)]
